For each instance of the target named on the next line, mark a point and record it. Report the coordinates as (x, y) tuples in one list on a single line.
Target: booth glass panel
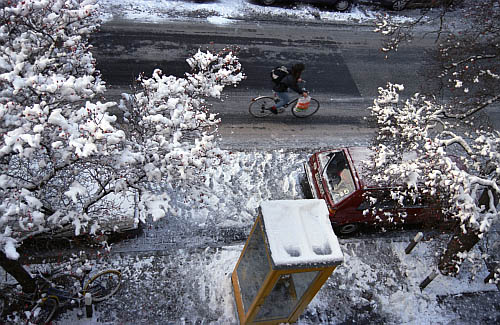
[(285, 296), (253, 267)]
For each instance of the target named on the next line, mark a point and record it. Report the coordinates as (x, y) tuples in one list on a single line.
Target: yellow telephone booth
[(290, 253)]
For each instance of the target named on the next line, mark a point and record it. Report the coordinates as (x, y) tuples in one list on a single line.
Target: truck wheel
[(347, 229)]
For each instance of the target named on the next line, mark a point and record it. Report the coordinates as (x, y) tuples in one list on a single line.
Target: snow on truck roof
[(299, 233)]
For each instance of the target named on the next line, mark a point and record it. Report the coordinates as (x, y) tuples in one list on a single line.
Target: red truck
[(339, 176)]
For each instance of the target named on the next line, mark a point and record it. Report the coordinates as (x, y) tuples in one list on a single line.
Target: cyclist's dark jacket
[(288, 82)]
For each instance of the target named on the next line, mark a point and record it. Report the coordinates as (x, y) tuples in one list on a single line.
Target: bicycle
[(261, 107), (64, 291), (69, 290)]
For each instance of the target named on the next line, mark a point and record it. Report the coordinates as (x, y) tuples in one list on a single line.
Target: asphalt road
[(344, 68)]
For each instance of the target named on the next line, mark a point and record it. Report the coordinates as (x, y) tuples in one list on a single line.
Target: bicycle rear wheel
[(103, 285), (44, 310), (261, 107), (301, 113)]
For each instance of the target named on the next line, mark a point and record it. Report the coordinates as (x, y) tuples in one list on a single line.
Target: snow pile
[(222, 11), (234, 192), (229, 199)]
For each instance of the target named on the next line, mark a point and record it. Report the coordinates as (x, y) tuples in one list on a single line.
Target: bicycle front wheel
[(44, 310), (103, 285), (261, 107), (301, 113)]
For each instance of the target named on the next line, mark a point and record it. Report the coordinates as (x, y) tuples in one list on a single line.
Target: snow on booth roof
[(299, 233)]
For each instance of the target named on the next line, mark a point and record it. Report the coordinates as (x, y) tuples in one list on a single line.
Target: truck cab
[(340, 177)]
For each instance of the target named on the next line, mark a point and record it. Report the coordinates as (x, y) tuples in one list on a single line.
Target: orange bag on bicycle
[(302, 104)]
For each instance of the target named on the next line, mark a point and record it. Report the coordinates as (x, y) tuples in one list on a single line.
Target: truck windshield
[(336, 174)]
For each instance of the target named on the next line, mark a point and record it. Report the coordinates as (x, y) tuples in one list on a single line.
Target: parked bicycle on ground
[(57, 290), (262, 106)]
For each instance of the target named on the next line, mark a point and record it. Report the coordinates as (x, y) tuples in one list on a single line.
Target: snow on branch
[(470, 59), (474, 110), (395, 31)]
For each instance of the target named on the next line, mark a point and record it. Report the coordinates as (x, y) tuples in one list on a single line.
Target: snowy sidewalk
[(378, 283)]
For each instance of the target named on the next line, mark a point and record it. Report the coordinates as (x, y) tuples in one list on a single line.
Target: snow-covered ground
[(188, 280)]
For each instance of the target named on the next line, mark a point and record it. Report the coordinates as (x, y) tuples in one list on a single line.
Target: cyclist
[(291, 80)]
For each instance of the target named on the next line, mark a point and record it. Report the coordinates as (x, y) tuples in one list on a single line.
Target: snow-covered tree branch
[(443, 160), (456, 157)]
